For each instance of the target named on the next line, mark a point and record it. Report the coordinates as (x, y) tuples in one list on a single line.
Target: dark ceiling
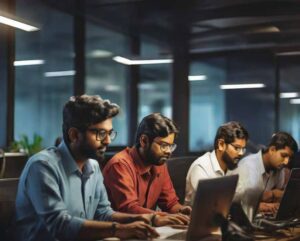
[(204, 25)]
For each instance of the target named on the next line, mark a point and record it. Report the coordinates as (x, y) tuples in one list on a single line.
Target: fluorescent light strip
[(292, 53), (17, 24), (28, 62), (197, 77), (60, 73), (126, 61), (241, 86), (289, 95), (295, 101)]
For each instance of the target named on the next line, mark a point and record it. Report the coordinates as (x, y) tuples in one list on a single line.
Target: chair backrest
[(12, 164), (178, 168), (8, 192)]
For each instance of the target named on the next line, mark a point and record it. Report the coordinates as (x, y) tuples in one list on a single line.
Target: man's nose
[(106, 140), (286, 160)]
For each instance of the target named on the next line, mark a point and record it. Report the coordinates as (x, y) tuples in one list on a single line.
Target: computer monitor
[(211, 205), (290, 203)]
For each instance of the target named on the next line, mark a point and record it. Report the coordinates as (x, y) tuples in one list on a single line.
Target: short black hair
[(229, 132), (155, 125), (85, 110), (282, 139)]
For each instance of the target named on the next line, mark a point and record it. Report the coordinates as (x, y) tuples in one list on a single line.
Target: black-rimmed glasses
[(164, 147), (102, 134)]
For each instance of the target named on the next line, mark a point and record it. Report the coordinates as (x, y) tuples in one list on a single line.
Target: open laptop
[(286, 216), (210, 208), (290, 203)]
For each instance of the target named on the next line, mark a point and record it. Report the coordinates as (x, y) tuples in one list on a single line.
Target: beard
[(230, 162), (92, 153), (152, 159)]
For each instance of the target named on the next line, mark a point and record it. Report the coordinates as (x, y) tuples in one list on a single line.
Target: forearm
[(135, 209), (123, 217), (93, 230)]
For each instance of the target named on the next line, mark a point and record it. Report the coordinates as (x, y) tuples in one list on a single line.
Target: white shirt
[(206, 166), (254, 180)]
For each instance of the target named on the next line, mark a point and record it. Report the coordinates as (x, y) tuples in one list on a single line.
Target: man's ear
[(144, 141), (272, 149), (221, 145), (73, 134)]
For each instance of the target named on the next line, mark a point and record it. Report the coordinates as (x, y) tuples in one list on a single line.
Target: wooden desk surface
[(282, 235)]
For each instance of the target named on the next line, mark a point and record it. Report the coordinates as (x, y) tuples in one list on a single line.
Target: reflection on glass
[(39, 99), (104, 76)]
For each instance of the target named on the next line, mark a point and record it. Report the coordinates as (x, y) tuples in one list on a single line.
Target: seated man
[(229, 147), (263, 172), (61, 195), (137, 178)]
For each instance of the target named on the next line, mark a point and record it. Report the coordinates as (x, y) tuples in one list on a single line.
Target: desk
[(282, 235)]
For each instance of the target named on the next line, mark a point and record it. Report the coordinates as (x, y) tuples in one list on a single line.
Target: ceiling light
[(17, 24), (289, 95), (60, 73), (291, 53), (29, 62), (295, 101), (242, 86), (126, 61), (99, 53), (197, 77)]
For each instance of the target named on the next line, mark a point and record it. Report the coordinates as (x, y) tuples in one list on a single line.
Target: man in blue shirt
[(61, 195)]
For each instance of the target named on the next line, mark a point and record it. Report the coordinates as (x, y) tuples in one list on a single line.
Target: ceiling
[(205, 25)]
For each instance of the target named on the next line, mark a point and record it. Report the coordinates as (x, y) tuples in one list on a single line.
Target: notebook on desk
[(212, 201)]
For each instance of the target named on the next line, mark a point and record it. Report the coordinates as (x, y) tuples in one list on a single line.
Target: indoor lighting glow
[(17, 24), (197, 77), (60, 73), (242, 86), (28, 62), (126, 61), (292, 53), (289, 95), (295, 101)]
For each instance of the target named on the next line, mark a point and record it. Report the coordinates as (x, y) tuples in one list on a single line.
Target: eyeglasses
[(238, 149), (102, 134), (164, 147)]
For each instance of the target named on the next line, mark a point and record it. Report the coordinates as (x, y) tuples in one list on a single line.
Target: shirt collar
[(69, 162), (261, 165), (141, 168), (215, 163)]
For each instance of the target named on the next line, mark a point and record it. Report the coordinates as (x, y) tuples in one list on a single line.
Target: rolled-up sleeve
[(42, 186)]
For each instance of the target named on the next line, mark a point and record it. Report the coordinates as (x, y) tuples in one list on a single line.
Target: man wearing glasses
[(229, 147), (263, 172), (137, 178), (61, 195)]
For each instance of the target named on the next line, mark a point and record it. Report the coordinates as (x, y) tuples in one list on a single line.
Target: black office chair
[(178, 168), (8, 192)]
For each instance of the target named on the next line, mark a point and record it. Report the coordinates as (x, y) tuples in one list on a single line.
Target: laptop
[(210, 209), (290, 203), (287, 215)]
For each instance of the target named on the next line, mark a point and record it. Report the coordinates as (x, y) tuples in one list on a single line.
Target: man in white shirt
[(229, 147), (264, 173)]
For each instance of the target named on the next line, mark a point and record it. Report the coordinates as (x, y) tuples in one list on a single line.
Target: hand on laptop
[(187, 210), (139, 230), (171, 219), (268, 207)]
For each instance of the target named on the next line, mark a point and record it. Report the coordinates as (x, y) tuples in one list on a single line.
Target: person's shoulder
[(49, 156), (123, 157), (203, 160)]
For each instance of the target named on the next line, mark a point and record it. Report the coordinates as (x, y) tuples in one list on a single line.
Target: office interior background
[(212, 62)]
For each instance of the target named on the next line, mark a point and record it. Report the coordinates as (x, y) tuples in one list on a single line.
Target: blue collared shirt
[(54, 197)]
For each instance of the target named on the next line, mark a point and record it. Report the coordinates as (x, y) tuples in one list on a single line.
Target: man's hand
[(277, 195), (170, 219), (187, 210), (268, 207), (139, 230)]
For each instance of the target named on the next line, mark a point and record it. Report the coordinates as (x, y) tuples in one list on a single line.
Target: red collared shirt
[(134, 188)]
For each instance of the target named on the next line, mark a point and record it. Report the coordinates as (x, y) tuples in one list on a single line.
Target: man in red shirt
[(137, 178)]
